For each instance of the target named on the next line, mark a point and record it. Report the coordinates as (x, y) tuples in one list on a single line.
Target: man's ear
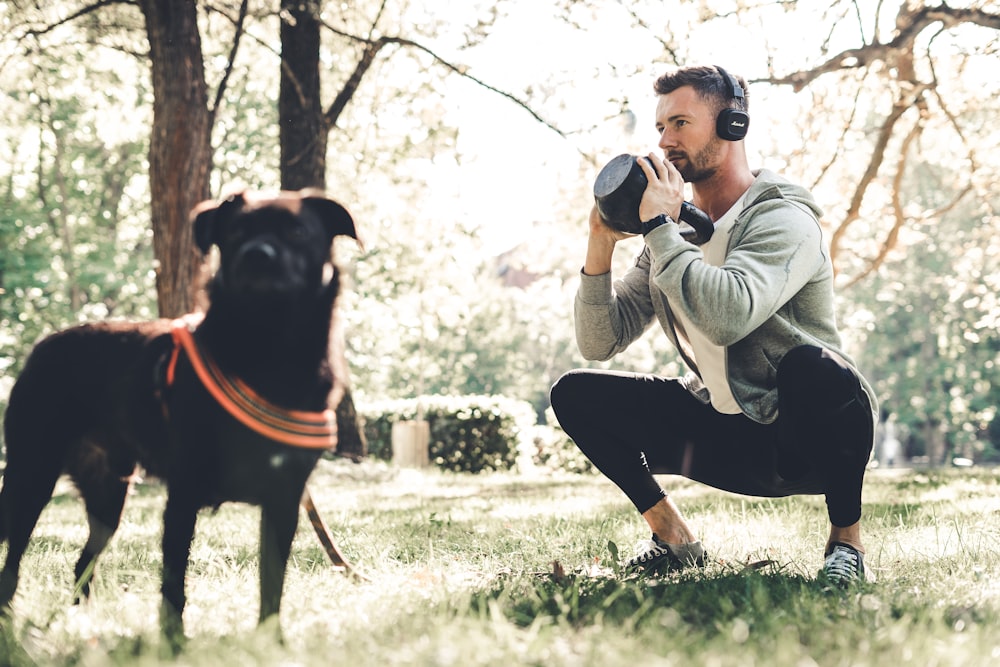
[(208, 218)]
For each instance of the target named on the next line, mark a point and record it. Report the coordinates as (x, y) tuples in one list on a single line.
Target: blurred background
[(465, 138)]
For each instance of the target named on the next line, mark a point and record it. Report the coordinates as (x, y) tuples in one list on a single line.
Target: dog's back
[(103, 394)]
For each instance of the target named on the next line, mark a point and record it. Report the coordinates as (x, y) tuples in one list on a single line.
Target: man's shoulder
[(771, 190)]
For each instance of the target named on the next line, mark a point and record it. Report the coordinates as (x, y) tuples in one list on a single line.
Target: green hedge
[(467, 433), (554, 450)]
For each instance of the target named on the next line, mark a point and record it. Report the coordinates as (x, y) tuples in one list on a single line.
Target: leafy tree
[(932, 322), (73, 244), (890, 103), (891, 108)]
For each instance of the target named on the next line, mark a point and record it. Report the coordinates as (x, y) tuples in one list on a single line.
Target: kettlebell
[(618, 190)]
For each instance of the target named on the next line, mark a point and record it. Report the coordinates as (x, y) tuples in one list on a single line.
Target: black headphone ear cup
[(732, 124)]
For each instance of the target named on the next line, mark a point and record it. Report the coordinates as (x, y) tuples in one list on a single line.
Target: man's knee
[(565, 393), (816, 374)]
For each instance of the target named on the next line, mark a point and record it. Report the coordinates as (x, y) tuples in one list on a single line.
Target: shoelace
[(842, 564), (650, 550)]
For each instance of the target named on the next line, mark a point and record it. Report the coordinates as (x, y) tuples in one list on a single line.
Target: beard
[(702, 165)]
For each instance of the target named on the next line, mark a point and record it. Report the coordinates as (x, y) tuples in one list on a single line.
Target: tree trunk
[(180, 156), (304, 133)]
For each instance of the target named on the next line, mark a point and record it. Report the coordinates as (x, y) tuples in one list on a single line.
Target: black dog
[(96, 400)]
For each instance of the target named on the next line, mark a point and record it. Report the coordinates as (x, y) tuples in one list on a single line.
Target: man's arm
[(600, 245), (778, 252), (609, 317)]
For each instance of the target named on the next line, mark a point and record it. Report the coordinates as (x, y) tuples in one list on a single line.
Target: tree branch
[(83, 11), (910, 23), (238, 34), (838, 150), (905, 101), (899, 215), (371, 50), (655, 33)]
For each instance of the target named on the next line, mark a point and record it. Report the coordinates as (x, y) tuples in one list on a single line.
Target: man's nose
[(667, 139)]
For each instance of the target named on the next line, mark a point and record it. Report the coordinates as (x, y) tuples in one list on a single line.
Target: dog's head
[(272, 246)]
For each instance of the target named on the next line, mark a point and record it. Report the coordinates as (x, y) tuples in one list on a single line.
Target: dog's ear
[(336, 219), (207, 218)]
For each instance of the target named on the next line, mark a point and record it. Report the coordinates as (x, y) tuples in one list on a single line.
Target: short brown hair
[(710, 84)]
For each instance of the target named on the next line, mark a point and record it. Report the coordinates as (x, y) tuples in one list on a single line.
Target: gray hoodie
[(774, 292)]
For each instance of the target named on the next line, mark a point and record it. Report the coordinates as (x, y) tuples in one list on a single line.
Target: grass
[(514, 570)]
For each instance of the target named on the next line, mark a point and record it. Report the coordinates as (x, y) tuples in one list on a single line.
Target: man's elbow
[(595, 353), (724, 336)]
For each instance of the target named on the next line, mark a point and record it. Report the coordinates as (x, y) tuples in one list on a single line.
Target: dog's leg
[(178, 530), (278, 521), (27, 488), (104, 498)]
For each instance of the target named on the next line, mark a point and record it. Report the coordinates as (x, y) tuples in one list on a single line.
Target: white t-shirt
[(711, 358)]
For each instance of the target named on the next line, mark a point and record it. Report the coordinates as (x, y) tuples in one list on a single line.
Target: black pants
[(633, 426)]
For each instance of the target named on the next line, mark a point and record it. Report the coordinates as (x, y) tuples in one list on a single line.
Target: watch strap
[(658, 221)]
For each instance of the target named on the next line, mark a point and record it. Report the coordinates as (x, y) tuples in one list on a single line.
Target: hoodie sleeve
[(610, 316), (778, 251)]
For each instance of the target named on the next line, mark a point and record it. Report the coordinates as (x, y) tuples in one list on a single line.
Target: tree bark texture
[(303, 132), (180, 156)]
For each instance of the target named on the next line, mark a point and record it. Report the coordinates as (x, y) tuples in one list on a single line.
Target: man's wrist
[(658, 221)]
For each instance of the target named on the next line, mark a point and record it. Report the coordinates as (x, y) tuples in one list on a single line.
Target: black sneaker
[(656, 556), (844, 565)]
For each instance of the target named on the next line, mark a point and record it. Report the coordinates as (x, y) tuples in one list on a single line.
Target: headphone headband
[(736, 91)]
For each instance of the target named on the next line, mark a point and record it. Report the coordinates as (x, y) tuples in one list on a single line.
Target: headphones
[(732, 124)]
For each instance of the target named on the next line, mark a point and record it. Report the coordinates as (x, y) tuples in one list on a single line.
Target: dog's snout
[(264, 266), (259, 253)]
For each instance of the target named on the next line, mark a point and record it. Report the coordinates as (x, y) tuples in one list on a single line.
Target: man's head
[(690, 103)]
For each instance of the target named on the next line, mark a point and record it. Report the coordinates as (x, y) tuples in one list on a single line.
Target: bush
[(467, 433), (554, 450)]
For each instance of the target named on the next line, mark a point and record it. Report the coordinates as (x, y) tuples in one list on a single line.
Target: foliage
[(467, 433), (555, 451), (75, 243), (502, 569), (932, 328), (461, 184)]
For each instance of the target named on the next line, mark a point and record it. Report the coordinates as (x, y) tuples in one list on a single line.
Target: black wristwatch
[(650, 225)]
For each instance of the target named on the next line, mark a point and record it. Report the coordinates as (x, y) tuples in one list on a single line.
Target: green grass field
[(513, 570)]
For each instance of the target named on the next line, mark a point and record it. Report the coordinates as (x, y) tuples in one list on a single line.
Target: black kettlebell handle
[(702, 226)]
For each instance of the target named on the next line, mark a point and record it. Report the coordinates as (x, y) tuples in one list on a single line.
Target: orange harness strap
[(299, 428)]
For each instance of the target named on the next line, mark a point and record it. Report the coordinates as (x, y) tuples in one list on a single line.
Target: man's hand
[(601, 245), (664, 192), (599, 229)]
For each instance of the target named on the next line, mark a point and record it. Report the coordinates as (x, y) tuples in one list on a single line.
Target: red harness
[(299, 428)]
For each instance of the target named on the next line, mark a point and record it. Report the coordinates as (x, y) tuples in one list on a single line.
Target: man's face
[(686, 124)]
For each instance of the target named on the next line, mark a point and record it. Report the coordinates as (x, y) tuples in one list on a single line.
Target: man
[(771, 405)]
